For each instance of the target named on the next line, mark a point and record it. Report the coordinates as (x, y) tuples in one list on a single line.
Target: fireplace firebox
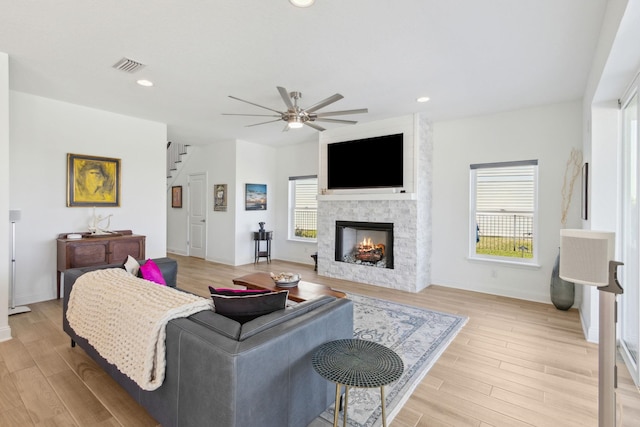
[(365, 243)]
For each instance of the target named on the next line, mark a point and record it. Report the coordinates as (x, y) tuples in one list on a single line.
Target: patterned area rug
[(419, 336)]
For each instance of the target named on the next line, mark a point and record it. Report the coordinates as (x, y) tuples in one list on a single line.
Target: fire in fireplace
[(365, 243)]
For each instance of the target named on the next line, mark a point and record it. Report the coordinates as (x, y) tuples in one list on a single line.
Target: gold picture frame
[(92, 181), (176, 196)]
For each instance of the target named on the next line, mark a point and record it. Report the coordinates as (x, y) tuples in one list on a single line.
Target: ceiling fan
[(296, 117)]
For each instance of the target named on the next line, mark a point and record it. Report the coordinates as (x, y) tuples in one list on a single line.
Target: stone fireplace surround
[(406, 274), (409, 212)]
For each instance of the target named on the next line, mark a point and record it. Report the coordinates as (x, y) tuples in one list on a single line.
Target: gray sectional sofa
[(224, 374)]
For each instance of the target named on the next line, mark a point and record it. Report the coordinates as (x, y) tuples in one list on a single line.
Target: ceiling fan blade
[(263, 123), (343, 112), (253, 103), (316, 127), (252, 115), (324, 103), (349, 122), (285, 97)]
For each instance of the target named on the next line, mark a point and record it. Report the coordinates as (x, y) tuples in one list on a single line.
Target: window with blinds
[(303, 207), (503, 205)]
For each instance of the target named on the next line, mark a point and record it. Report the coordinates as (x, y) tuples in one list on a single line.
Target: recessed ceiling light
[(302, 3), (423, 99), (145, 83)]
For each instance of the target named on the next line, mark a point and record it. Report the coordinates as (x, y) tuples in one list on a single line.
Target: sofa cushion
[(131, 265), (245, 307), (150, 271), (268, 321)]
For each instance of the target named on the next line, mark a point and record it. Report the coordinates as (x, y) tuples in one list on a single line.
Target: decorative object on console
[(586, 257), (176, 196), (94, 226), (220, 197), (255, 197), (261, 225), (14, 216), (296, 117), (92, 181)]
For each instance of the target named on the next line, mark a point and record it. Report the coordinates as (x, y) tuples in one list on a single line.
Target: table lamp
[(586, 257)]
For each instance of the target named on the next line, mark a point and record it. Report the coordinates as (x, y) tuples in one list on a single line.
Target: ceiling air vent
[(128, 65)]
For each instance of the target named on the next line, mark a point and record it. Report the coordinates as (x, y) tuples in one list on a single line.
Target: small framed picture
[(176, 196), (255, 197), (585, 191), (220, 197)]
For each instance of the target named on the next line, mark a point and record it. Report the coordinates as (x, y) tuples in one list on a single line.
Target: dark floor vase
[(562, 292)]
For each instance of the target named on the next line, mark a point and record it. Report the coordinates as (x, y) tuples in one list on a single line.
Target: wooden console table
[(93, 250)]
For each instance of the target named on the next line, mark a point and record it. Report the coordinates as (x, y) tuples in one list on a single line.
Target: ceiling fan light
[(295, 124), (302, 3)]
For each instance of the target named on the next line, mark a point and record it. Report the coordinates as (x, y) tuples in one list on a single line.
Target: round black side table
[(261, 236), (357, 363)]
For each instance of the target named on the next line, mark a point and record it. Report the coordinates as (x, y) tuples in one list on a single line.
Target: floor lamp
[(14, 216), (586, 257)]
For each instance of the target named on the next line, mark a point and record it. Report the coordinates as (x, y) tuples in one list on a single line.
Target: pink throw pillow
[(150, 271)]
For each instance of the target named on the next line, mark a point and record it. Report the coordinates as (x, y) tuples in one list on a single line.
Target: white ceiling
[(470, 57)]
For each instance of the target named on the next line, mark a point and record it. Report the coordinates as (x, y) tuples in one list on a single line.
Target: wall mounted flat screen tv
[(366, 163)]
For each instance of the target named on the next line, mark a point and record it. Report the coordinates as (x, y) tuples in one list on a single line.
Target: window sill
[(506, 262), (293, 239)]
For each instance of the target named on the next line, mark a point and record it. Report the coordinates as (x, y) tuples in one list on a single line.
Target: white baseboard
[(5, 333)]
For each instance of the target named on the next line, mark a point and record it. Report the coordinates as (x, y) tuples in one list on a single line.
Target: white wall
[(615, 62), (43, 131), (546, 133), (255, 164), (5, 331), (292, 160), (229, 234), (217, 161)]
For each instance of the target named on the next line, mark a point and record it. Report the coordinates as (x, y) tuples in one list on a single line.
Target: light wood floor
[(515, 363)]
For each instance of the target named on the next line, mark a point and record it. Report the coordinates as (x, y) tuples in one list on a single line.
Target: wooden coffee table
[(303, 292)]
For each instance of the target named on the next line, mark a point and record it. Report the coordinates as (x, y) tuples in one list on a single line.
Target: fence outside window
[(306, 223), (508, 234)]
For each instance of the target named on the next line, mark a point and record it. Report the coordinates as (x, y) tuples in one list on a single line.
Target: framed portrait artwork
[(176, 196), (220, 197), (92, 181), (255, 197)]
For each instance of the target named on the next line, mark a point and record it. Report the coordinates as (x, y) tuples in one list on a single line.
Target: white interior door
[(630, 237), (197, 195)]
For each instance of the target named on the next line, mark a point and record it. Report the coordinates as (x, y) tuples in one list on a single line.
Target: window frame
[(291, 187), (473, 255)]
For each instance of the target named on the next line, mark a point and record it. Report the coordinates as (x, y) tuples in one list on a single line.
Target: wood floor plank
[(515, 363), (40, 400), (9, 396), (83, 405)]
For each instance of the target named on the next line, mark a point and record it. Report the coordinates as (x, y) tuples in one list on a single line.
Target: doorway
[(197, 214)]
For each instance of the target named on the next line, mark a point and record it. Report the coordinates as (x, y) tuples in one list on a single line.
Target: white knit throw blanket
[(124, 318)]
